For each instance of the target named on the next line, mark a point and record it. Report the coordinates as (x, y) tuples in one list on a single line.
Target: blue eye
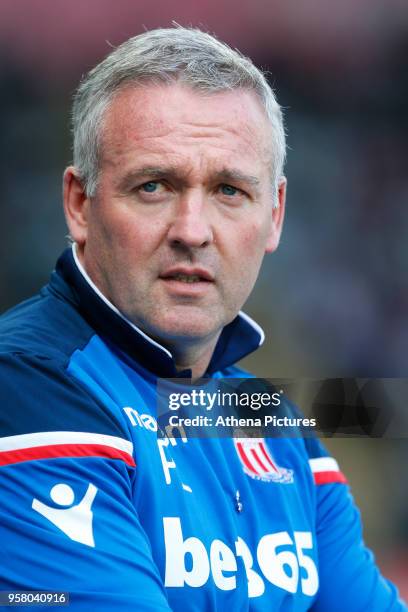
[(150, 187), (228, 190)]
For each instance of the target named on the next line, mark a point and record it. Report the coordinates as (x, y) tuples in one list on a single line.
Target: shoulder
[(39, 393), (45, 325)]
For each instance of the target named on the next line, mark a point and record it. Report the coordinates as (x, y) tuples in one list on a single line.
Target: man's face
[(183, 213)]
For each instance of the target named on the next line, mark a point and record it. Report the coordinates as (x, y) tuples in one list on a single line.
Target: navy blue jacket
[(94, 503)]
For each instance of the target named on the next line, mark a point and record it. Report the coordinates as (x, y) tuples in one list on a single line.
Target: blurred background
[(333, 299)]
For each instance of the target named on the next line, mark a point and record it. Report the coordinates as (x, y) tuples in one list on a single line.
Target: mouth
[(189, 276), (186, 278), (187, 281)]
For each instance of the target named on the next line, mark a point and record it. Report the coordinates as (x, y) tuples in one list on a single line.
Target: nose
[(190, 226)]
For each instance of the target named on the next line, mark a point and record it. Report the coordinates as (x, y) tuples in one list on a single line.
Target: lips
[(188, 275), (186, 278)]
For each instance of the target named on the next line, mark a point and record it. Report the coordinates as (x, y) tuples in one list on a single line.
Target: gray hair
[(164, 56)]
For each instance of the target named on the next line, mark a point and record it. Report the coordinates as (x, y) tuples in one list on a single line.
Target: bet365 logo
[(282, 560)]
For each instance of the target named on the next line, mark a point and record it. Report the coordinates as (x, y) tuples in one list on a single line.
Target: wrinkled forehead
[(160, 116)]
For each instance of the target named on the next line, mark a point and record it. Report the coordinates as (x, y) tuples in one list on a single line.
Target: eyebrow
[(236, 175), (224, 175), (154, 172)]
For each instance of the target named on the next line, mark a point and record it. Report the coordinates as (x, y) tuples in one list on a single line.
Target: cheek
[(250, 254), (130, 237), (252, 240), (248, 249)]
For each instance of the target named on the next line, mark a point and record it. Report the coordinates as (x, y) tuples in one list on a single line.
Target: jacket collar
[(239, 338)]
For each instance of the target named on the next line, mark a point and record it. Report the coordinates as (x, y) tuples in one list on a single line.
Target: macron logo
[(146, 421), (76, 520)]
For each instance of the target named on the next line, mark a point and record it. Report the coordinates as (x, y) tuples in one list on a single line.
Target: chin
[(192, 328)]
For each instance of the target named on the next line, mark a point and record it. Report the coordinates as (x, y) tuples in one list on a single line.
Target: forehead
[(174, 120)]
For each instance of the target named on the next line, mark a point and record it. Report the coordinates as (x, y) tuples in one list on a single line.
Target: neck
[(194, 357)]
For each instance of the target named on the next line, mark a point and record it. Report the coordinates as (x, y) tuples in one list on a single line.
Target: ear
[(278, 214), (76, 205)]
